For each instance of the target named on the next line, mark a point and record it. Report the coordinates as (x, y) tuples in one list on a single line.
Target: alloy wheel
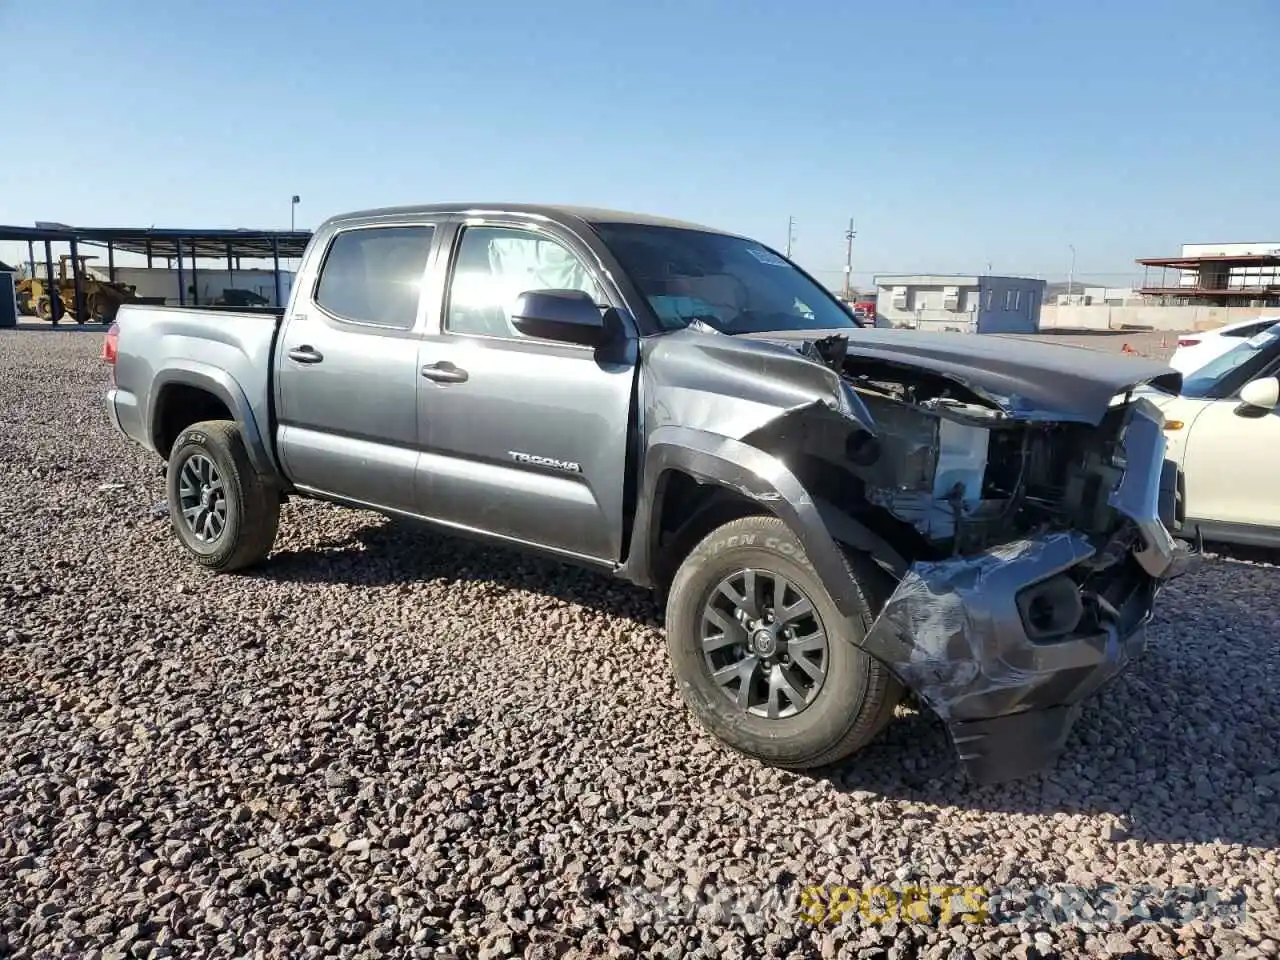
[(764, 644), (202, 499)]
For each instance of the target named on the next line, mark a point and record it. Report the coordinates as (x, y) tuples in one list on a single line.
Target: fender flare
[(760, 476), (219, 383)]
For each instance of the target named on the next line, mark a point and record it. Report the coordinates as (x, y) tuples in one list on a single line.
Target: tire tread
[(257, 506), (881, 692)]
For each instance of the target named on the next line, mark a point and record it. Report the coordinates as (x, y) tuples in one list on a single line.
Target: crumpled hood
[(1027, 379)]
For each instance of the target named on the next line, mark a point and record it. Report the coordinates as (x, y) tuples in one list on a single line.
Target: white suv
[(1224, 432), (1197, 349)]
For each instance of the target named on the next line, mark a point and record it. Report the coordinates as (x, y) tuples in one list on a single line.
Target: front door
[(1231, 462), (523, 438), (346, 367)]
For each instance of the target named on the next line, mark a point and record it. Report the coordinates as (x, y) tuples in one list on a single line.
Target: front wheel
[(50, 309), (95, 308), (762, 655), (224, 514)]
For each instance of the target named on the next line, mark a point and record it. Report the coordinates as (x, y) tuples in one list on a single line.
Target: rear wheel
[(223, 512), (762, 655)]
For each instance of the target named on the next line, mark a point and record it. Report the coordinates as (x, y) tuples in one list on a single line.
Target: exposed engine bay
[(964, 474), (966, 478)]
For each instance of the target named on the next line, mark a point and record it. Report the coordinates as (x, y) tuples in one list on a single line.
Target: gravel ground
[(1156, 344), (387, 743)]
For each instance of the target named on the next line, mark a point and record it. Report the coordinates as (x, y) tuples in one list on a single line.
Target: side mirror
[(1262, 394), (570, 316)]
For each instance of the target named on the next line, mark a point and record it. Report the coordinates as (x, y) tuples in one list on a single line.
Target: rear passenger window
[(374, 275)]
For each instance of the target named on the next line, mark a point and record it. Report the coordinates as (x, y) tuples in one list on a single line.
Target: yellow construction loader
[(101, 299)]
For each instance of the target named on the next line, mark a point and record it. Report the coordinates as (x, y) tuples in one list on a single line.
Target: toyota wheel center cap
[(763, 643)]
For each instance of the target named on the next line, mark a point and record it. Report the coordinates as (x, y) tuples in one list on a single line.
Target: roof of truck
[(549, 211)]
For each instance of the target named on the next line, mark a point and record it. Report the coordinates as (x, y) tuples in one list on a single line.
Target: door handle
[(306, 354), (444, 372)]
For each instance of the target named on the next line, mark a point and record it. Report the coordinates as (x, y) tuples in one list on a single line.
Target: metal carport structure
[(183, 247)]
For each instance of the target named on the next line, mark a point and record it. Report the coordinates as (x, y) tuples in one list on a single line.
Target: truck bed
[(228, 353)]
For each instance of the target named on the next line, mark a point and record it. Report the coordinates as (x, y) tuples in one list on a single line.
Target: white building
[(1105, 296), (1234, 276), (209, 283), (968, 303), (1217, 274)]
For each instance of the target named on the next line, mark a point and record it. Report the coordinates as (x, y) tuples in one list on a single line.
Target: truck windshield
[(730, 284)]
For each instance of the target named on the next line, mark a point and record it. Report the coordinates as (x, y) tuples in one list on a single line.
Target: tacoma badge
[(568, 466)]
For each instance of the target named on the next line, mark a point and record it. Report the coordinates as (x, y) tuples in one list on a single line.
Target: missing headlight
[(1051, 608)]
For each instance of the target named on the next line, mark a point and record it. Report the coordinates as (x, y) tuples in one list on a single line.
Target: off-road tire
[(252, 506), (52, 310), (859, 694)]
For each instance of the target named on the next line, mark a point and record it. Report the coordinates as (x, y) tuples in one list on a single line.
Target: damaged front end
[(1037, 541)]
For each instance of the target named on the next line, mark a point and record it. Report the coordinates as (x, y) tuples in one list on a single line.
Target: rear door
[(523, 438), (346, 368)]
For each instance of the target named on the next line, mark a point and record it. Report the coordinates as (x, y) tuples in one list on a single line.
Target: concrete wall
[(1102, 317)]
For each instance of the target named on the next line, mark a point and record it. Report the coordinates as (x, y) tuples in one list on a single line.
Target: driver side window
[(494, 265)]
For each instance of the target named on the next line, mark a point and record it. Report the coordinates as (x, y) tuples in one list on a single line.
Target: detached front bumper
[(1006, 645)]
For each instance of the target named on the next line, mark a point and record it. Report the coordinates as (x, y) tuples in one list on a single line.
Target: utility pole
[(791, 234), (848, 261)]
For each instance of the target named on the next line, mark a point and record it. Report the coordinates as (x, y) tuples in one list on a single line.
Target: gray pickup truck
[(836, 515)]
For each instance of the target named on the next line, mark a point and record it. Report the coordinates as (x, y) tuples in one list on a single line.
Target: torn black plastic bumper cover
[(1008, 689)]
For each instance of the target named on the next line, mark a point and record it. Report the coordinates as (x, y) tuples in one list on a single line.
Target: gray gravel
[(1155, 344), (389, 743)]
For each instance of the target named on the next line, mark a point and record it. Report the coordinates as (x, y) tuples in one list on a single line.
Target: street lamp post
[(293, 225), (1071, 274), (848, 261)]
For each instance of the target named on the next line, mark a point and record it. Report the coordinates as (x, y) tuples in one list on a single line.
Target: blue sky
[(955, 134)]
